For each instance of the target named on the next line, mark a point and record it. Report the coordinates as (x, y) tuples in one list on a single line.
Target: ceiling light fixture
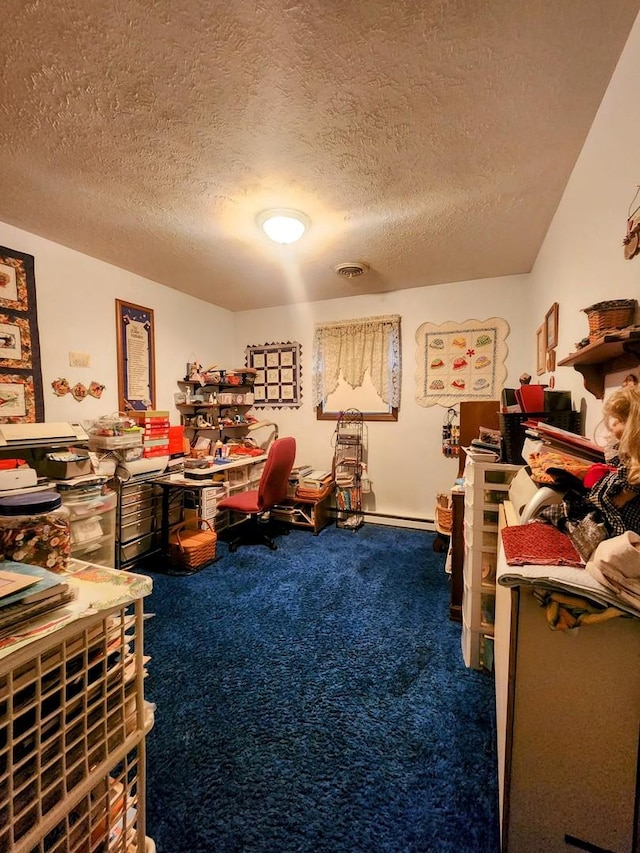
[(283, 225)]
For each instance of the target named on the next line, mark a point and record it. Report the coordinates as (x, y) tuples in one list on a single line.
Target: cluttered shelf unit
[(73, 754), (348, 462)]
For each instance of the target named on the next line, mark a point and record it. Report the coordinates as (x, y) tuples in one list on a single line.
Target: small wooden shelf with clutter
[(612, 352)]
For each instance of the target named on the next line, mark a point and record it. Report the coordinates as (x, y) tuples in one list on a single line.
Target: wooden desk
[(170, 482), (311, 513)]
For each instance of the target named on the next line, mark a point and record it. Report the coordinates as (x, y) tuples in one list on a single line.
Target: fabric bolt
[(539, 544)]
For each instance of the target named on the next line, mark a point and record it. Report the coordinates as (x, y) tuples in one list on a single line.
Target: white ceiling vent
[(351, 269)]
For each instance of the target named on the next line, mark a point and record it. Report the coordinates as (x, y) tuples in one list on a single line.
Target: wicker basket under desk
[(193, 549)]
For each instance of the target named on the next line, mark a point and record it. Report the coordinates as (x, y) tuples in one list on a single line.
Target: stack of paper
[(316, 480), (27, 592)]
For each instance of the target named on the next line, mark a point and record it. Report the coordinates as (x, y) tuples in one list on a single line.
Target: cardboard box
[(65, 465)]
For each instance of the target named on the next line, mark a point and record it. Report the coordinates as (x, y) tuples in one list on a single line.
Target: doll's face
[(615, 426)]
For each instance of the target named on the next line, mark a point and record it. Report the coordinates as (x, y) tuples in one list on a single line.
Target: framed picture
[(136, 357), (551, 360), (21, 397), (277, 383), (541, 350), (551, 327)]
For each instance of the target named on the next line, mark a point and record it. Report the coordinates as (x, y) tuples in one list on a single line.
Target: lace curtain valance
[(352, 347)]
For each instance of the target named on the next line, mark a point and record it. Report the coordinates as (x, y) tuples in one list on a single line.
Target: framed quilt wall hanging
[(461, 361), (278, 372), (21, 397)]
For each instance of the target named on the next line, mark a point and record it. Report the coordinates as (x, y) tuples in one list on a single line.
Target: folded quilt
[(616, 565)]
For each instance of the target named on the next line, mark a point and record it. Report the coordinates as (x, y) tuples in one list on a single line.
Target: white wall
[(406, 465), (76, 312), (581, 261)]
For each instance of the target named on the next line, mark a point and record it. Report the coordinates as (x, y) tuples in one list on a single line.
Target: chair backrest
[(275, 477)]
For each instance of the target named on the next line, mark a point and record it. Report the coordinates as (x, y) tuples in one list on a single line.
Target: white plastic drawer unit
[(479, 608), (136, 493), (136, 524), (136, 548)]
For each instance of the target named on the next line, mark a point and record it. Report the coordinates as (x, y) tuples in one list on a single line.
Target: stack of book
[(154, 424), (28, 592), (296, 476)]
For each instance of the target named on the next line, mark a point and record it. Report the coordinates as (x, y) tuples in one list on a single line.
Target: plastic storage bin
[(35, 529)]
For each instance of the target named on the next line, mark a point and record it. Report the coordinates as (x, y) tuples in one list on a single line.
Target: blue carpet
[(314, 700)]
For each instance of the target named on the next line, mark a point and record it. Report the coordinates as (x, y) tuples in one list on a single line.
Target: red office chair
[(271, 490)]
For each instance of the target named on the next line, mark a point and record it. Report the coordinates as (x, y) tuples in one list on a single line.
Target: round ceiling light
[(283, 225)]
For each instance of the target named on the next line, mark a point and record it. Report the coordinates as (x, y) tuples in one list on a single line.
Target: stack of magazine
[(487, 447), (27, 593)]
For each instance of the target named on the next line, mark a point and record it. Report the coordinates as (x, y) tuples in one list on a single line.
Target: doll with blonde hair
[(609, 502), (621, 414), (617, 494)]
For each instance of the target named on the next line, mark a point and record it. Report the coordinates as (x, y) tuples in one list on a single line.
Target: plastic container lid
[(33, 503)]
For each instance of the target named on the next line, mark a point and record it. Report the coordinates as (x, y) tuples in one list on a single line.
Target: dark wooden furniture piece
[(457, 556), (310, 513), (473, 415)]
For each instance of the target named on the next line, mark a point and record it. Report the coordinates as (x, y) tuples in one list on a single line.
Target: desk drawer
[(136, 493), (135, 526), (136, 510), (135, 549)]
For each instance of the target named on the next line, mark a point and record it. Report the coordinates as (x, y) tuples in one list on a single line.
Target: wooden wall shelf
[(609, 354)]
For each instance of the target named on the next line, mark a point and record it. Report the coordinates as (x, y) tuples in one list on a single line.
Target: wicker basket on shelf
[(609, 315), (193, 549), (444, 514)]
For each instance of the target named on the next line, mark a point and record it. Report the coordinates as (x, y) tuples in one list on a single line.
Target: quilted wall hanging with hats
[(460, 361)]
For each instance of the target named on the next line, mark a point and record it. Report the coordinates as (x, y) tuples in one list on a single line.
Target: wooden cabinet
[(609, 354), (310, 513)]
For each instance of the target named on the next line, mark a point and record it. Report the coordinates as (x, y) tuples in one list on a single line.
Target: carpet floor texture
[(314, 699)]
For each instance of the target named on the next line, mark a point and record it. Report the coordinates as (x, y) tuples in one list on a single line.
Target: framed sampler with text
[(136, 357)]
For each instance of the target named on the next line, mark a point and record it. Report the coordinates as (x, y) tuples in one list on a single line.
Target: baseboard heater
[(380, 517)]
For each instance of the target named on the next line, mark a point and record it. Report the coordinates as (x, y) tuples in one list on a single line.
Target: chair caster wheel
[(273, 546), (233, 547)]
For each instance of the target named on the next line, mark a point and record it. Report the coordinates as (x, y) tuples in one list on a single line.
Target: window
[(361, 354)]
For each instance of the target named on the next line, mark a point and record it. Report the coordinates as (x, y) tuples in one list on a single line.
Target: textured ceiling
[(430, 139)]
